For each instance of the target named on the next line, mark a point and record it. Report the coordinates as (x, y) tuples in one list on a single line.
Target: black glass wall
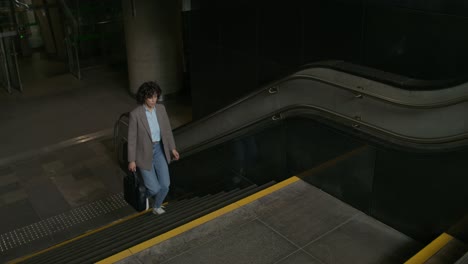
[(235, 47)]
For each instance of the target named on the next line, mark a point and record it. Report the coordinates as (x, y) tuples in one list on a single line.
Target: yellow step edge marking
[(267, 191), (199, 221), (18, 260), (119, 256), (181, 229), (430, 250)]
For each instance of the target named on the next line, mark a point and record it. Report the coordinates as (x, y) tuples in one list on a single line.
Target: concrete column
[(154, 43)]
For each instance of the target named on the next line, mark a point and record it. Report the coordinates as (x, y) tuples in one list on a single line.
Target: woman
[(151, 144)]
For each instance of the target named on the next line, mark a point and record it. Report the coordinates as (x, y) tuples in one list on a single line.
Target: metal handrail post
[(5, 64)]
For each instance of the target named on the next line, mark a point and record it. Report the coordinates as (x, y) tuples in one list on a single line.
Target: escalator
[(397, 156)]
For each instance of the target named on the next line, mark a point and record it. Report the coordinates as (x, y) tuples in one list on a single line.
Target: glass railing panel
[(256, 157)]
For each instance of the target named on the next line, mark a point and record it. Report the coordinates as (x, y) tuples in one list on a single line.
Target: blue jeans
[(157, 178)]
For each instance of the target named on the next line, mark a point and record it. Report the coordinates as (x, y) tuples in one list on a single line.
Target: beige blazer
[(140, 145)]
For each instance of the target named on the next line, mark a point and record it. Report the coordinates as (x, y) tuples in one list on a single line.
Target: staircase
[(444, 249), (115, 238), (463, 260)]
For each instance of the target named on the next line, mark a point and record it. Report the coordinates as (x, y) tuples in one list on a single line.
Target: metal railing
[(71, 36), (9, 72)]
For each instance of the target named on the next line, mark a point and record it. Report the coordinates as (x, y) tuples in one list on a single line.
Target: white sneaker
[(147, 204), (158, 211)]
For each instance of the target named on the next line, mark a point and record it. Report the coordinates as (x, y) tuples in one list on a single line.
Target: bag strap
[(138, 178)]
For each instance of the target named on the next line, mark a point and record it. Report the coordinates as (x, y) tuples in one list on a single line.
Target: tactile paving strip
[(49, 226)]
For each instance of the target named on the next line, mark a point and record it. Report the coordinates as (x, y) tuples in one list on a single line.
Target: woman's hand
[(132, 166), (175, 154)]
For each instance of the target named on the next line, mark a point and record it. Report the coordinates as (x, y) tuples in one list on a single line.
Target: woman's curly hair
[(147, 90)]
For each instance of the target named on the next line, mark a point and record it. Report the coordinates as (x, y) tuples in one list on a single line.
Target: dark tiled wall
[(235, 47), (415, 43)]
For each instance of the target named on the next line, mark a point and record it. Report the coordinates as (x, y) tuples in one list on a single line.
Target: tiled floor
[(298, 224), (44, 182), (60, 108), (50, 184)]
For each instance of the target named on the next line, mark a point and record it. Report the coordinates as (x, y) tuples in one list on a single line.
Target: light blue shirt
[(153, 124)]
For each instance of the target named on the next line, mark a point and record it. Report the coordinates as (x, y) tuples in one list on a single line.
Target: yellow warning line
[(430, 250), (241, 203), (18, 260), (197, 222)]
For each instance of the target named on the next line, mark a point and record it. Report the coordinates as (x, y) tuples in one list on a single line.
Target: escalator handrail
[(393, 79), (361, 90), (357, 89), (410, 143), (333, 79)]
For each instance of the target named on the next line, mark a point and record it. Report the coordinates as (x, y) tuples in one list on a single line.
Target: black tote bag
[(135, 191)]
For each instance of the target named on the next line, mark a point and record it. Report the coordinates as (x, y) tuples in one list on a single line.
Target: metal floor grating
[(51, 225)]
